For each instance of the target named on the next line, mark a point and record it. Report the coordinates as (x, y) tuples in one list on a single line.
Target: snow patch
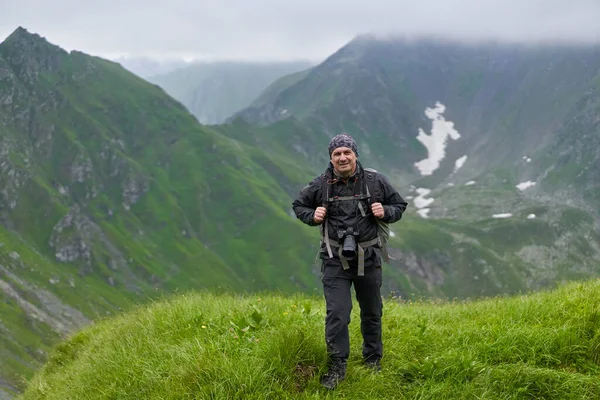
[(524, 185), (392, 234), (470, 183), (527, 159), (502, 215), (531, 216), (459, 163), (423, 212), (420, 201), (436, 142)]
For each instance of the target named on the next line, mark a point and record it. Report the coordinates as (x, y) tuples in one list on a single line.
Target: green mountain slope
[(214, 91), (113, 192), (271, 347)]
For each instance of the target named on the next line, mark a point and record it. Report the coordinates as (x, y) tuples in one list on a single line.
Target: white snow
[(470, 183), (531, 216), (450, 184), (436, 142), (527, 159), (423, 212), (459, 163), (524, 185), (420, 201), (392, 234), (503, 215)]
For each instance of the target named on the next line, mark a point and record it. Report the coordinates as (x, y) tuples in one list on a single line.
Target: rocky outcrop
[(73, 238), (60, 317), (30, 55), (133, 187)]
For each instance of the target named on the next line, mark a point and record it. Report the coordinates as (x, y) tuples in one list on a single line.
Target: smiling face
[(344, 161)]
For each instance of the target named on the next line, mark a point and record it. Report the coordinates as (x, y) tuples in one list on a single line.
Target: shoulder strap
[(371, 188), (377, 196), (324, 189)]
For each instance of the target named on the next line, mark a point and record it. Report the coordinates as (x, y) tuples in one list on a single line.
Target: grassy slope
[(179, 235), (204, 345)]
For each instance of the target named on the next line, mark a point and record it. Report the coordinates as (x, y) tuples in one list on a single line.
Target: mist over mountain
[(213, 91), (146, 67)]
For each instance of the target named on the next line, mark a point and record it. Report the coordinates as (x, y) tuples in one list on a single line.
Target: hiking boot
[(374, 364), (335, 375)]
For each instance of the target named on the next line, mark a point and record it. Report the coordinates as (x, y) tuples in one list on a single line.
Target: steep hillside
[(216, 90), (112, 193)]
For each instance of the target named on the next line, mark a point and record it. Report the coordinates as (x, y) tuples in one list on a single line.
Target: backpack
[(372, 193), (383, 229)]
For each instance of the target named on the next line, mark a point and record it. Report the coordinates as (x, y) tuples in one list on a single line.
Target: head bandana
[(342, 140)]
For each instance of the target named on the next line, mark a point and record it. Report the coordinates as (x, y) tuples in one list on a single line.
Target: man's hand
[(378, 210), (319, 215)]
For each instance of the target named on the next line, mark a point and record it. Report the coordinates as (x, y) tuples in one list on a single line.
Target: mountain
[(113, 194), (213, 91), (493, 103)]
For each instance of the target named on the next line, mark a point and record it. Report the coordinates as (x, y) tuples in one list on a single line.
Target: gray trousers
[(337, 284)]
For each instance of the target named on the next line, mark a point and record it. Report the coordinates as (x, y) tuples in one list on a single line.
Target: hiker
[(352, 206)]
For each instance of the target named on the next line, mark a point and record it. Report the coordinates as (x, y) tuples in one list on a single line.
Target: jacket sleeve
[(393, 204), (307, 201)]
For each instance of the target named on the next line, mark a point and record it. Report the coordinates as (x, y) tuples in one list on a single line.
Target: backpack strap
[(369, 180), (325, 203), (371, 186)]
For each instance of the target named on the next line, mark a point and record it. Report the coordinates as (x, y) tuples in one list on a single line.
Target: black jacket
[(344, 214)]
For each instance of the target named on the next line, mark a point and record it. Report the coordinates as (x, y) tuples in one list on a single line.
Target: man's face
[(344, 161)]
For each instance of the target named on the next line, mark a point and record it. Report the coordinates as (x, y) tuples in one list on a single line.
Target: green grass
[(208, 345)]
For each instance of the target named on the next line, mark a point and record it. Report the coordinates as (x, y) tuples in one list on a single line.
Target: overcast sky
[(279, 29)]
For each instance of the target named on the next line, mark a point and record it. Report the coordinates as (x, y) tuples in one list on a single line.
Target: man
[(349, 215)]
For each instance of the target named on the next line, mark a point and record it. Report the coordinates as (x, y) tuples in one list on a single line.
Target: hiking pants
[(337, 283)]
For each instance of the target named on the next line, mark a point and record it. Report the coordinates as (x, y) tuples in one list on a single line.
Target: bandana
[(342, 140)]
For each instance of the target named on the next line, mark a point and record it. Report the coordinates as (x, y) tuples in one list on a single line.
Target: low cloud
[(272, 29)]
